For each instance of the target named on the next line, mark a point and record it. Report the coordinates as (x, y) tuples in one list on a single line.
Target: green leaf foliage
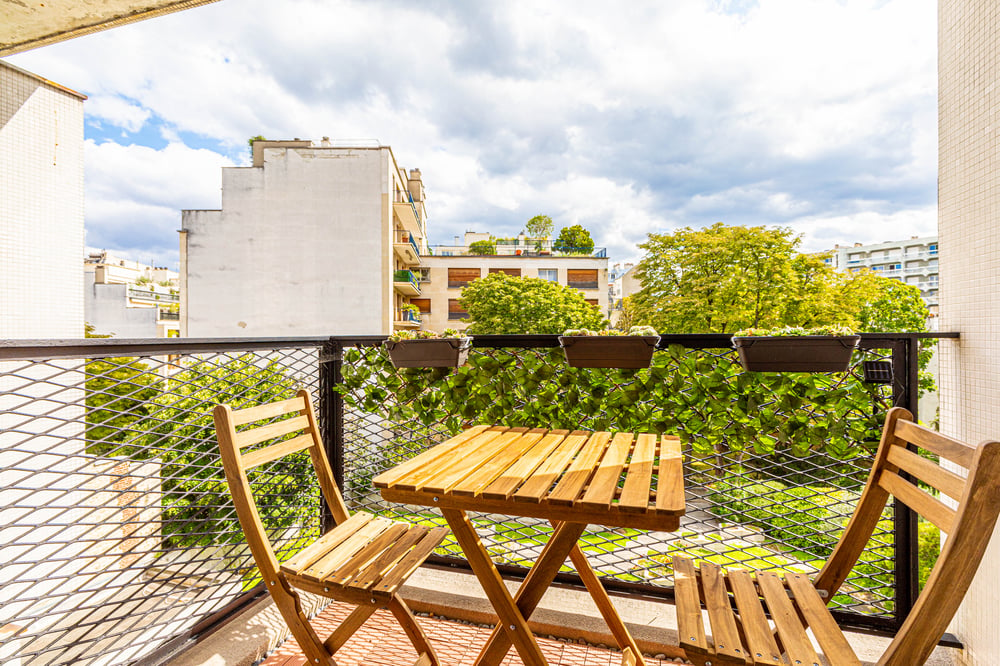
[(540, 226), (703, 397), (483, 247), (574, 240), (505, 304)]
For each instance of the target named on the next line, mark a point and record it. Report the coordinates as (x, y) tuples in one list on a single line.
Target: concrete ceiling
[(28, 24)]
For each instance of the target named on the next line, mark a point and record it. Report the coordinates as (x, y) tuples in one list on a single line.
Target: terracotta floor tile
[(381, 642)]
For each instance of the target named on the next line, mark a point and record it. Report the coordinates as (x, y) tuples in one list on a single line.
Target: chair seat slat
[(761, 646), (725, 635), (690, 628), (831, 639), (790, 630)]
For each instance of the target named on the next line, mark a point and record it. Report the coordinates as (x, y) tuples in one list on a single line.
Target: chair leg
[(413, 631), (290, 607)]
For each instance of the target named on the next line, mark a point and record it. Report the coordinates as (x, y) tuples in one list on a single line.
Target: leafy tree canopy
[(720, 279), (483, 247), (540, 226), (504, 304), (574, 240)]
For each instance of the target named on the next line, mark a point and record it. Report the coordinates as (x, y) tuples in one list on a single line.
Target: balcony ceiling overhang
[(29, 24)]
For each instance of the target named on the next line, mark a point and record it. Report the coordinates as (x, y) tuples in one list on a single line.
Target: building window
[(424, 304), (455, 310), (594, 302), (582, 278), (423, 274), (932, 248), (514, 272), (461, 277), (550, 274)]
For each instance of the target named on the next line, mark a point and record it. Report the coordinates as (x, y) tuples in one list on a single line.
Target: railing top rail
[(21, 350), (16, 350)]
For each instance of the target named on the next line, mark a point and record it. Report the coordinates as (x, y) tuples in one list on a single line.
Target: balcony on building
[(406, 248), (406, 211), (405, 282)]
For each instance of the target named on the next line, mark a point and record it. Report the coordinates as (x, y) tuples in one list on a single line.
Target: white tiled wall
[(969, 229), (41, 208)]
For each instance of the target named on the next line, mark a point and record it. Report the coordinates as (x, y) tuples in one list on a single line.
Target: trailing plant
[(793, 331), (396, 336), (700, 396)]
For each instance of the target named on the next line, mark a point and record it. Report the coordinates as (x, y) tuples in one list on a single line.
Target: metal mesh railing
[(118, 533), (774, 464), (118, 538)]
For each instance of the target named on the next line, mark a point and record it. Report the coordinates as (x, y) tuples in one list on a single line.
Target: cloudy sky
[(627, 118)]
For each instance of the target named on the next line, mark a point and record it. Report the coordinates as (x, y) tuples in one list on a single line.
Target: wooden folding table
[(571, 479)]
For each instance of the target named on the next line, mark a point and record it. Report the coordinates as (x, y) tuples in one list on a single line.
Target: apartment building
[(311, 239), (129, 299), (452, 267), (913, 261)]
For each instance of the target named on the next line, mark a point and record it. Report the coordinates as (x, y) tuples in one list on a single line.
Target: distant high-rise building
[(913, 261)]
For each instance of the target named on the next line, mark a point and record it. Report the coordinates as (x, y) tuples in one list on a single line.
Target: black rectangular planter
[(804, 353), (430, 353), (606, 351)]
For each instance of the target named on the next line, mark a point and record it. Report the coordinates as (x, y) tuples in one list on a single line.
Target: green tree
[(483, 247), (574, 240), (504, 304), (715, 280), (540, 226)]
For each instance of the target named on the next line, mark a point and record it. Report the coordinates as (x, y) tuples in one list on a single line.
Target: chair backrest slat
[(919, 500), (928, 471), (248, 438), (275, 451), (268, 410), (952, 449)]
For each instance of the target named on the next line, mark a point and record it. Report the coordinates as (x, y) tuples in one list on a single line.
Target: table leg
[(530, 593), (600, 597), (513, 623)]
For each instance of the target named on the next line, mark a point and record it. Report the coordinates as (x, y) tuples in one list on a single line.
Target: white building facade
[(310, 240)]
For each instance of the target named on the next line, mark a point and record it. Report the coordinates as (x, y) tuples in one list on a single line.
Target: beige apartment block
[(312, 239), (442, 279), (968, 201)]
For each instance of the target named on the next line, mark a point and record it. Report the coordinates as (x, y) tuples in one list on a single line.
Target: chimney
[(326, 142)]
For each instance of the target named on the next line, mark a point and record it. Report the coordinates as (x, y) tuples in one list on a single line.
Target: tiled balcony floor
[(380, 642)]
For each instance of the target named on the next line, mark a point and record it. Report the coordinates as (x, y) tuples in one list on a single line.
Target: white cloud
[(631, 117)]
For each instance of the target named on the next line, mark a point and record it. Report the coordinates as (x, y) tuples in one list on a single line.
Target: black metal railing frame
[(902, 348)]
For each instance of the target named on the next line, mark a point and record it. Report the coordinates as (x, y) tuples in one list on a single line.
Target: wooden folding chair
[(363, 560), (738, 601)]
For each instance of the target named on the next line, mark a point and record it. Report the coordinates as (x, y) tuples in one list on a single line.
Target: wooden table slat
[(487, 473), (505, 485), (580, 470), (458, 467), (603, 486), (638, 481), (392, 476), (670, 481), (536, 485)]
